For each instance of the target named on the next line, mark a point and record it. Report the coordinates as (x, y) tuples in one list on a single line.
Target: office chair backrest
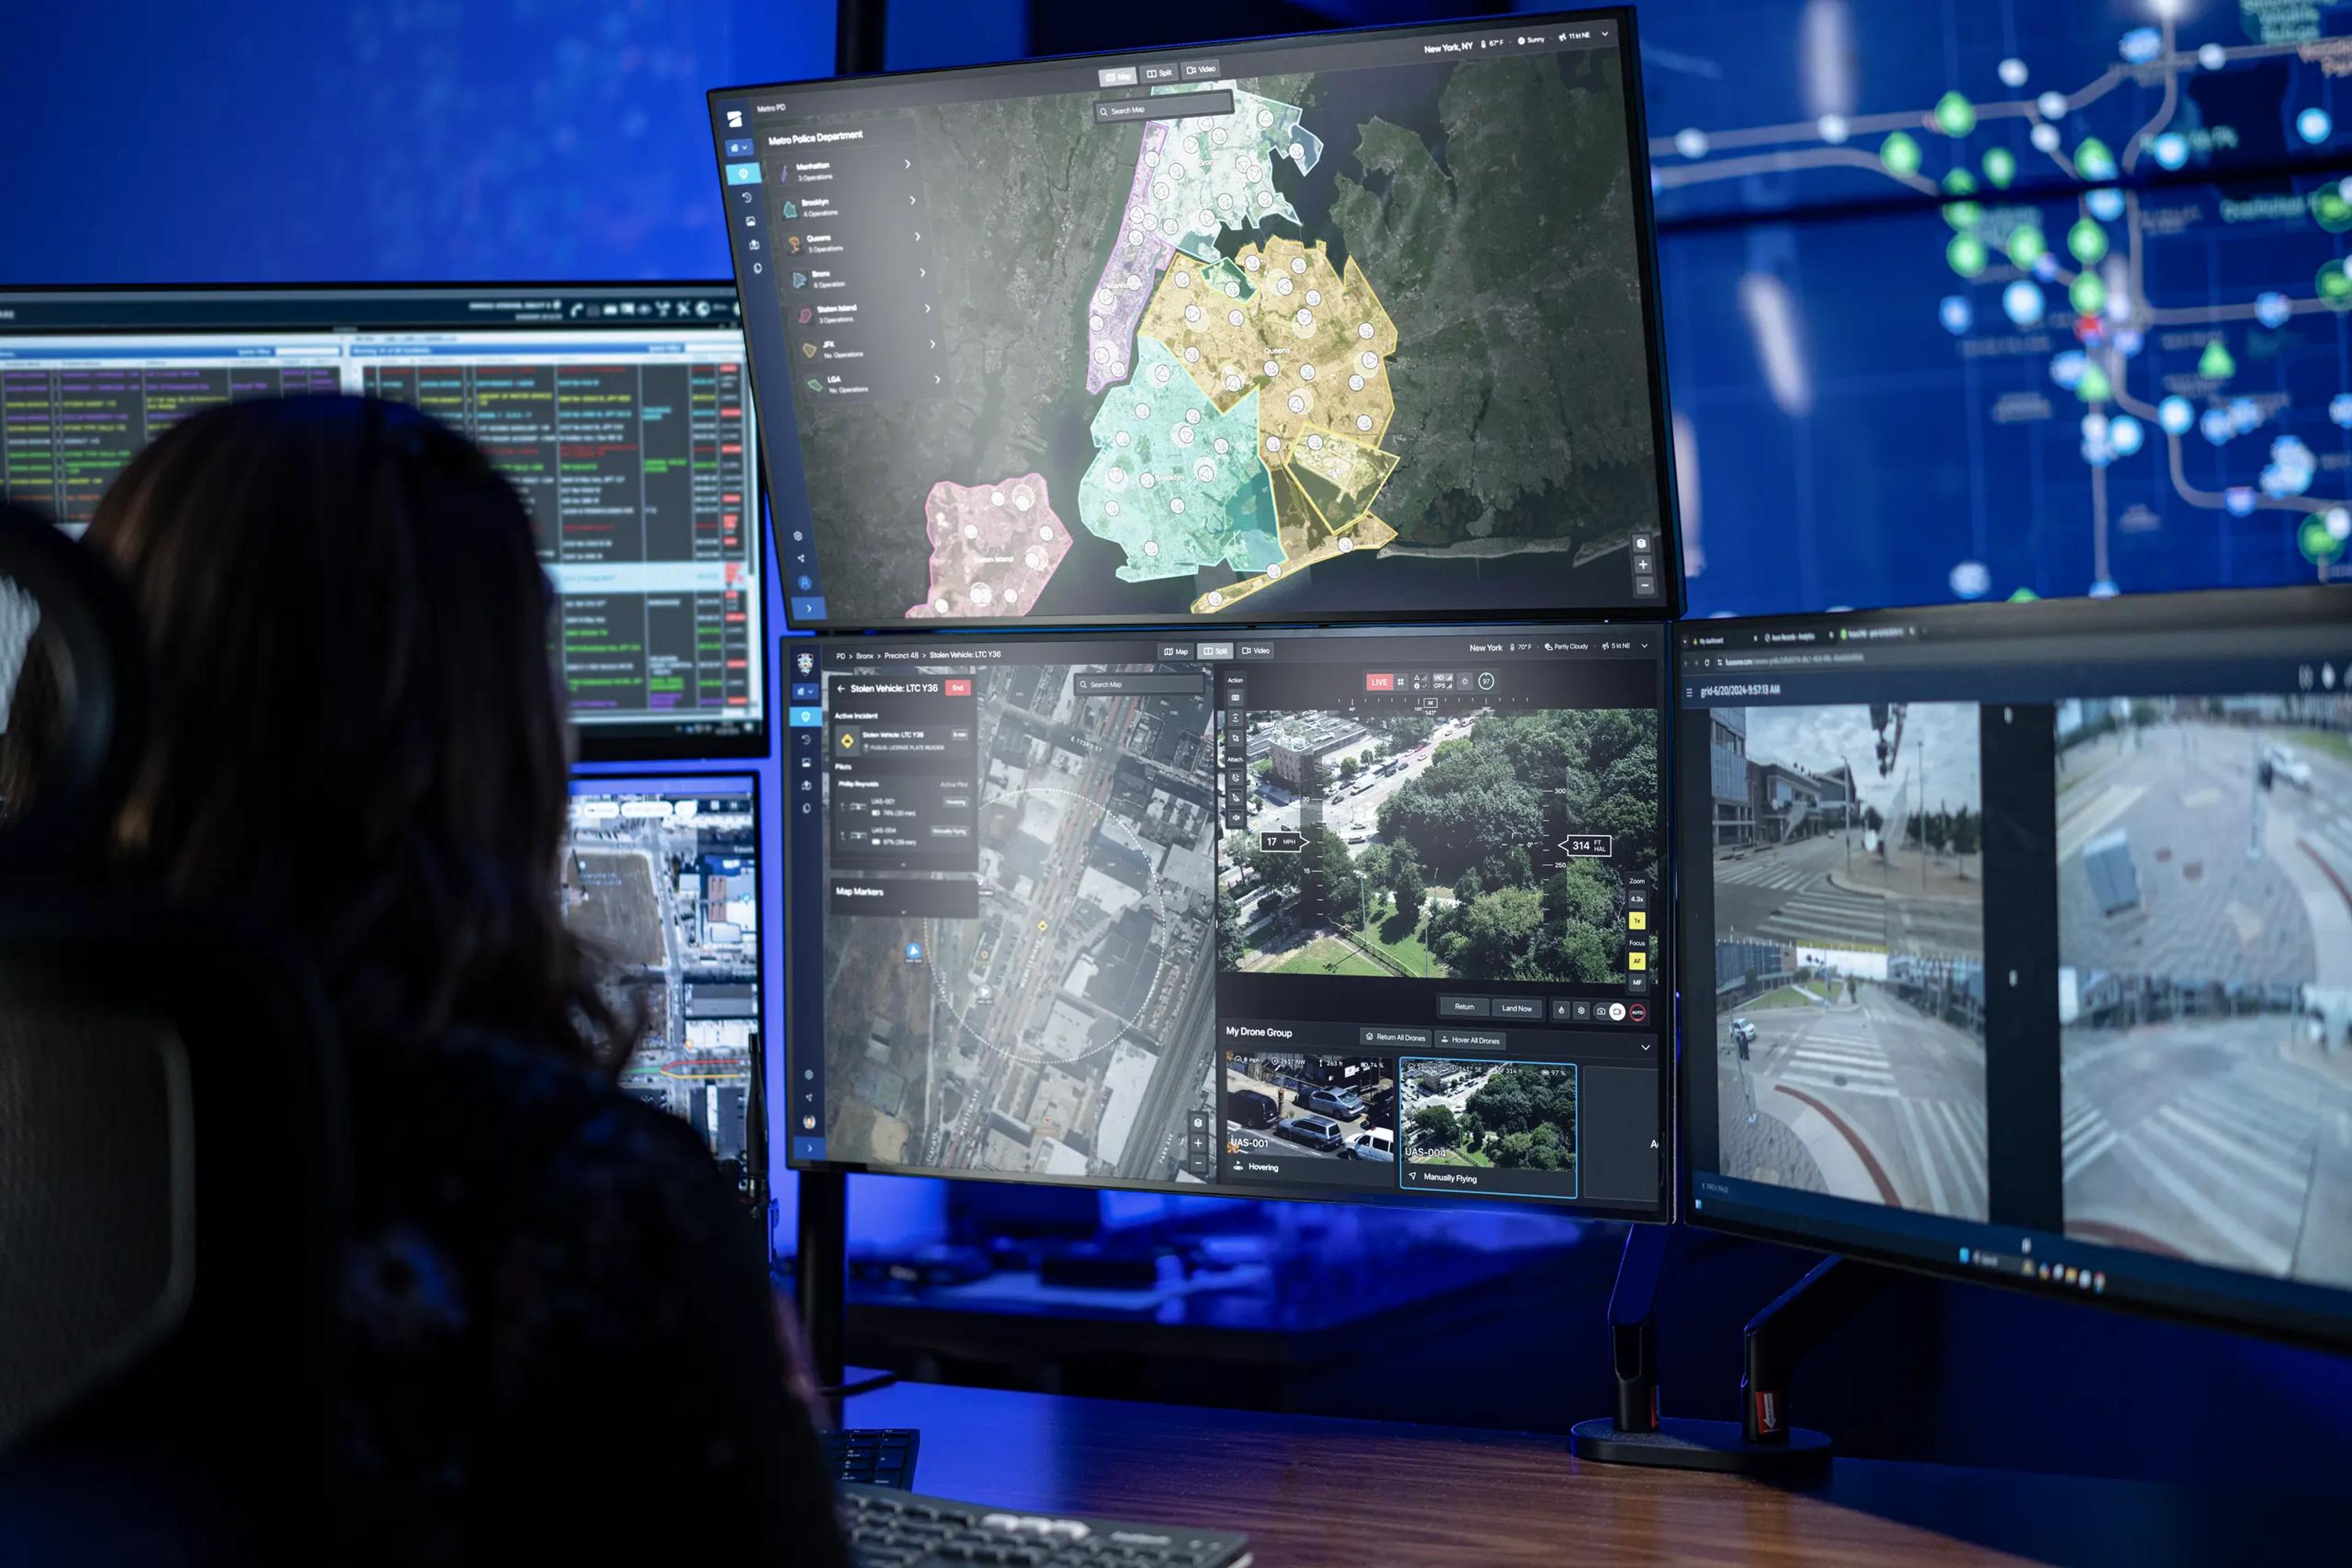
[(171, 1138)]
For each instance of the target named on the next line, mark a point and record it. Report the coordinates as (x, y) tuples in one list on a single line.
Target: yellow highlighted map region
[(1313, 343)]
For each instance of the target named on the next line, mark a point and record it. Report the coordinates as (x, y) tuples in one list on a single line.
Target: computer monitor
[(619, 412), (1353, 327), (2017, 944), (662, 874), (1357, 913)]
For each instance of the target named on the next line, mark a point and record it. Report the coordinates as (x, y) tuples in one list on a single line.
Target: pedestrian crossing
[(1839, 1053), (1947, 1143), (2084, 1135), (2231, 1151), (1825, 917), (1766, 871)]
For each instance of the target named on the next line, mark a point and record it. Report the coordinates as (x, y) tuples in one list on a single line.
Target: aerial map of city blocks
[(1384, 327)]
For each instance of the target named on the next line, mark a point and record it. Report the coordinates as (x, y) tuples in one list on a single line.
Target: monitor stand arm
[(1776, 1339), (821, 1280)]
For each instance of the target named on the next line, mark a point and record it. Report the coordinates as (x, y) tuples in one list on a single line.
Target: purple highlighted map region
[(993, 547), (1125, 287)]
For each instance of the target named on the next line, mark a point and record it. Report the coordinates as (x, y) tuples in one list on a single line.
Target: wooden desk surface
[(1313, 1492)]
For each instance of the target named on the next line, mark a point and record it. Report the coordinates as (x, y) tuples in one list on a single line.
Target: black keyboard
[(873, 1456), (899, 1530)]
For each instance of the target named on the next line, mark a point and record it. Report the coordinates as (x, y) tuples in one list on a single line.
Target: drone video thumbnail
[(1849, 941), (1422, 847), (2205, 931), (1507, 1129), (1316, 1107)]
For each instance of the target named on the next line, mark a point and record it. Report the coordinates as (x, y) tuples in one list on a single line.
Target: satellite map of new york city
[(1384, 327)]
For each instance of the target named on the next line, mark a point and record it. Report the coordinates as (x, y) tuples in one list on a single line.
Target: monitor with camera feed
[(2017, 941)]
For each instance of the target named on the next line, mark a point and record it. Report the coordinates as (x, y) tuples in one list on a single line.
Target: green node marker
[(2023, 596), (1963, 216), (2093, 161), (1900, 153), (2330, 210), (2094, 388), (1960, 183), (2215, 363), (1967, 254), (2316, 543), (2088, 296), (2086, 241), (2001, 167), (2335, 286), (2026, 245), (1955, 115)]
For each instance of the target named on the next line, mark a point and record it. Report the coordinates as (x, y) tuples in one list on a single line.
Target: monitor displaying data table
[(1358, 326), (2017, 943), (620, 414), (1341, 914)]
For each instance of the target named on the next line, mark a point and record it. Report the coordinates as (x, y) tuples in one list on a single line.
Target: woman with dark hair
[(560, 1337)]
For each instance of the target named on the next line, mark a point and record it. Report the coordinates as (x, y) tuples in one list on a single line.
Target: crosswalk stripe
[(1814, 1080), (2231, 1229), (2247, 1201), (2290, 1175), (2287, 1129), (1916, 1136), (1969, 1131)]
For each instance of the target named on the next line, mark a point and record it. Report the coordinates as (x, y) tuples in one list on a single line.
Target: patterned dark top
[(562, 1340)]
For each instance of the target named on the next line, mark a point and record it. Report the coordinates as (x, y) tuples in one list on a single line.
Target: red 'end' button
[(958, 688)]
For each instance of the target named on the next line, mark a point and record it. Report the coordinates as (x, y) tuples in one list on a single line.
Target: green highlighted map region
[(1290, 356), (1175, 483)]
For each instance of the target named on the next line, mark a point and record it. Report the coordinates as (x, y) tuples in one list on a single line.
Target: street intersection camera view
[(2204, 859), (2021, 936), (1301, 328), (662, 876), (1849, 918), (1115, 908)]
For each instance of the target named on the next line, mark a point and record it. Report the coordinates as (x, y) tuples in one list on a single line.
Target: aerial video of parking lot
[(1431, 846), (1323, 1108), (2205, 931)]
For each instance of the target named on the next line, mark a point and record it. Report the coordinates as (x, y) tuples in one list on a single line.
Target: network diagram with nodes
[(2074, 321)]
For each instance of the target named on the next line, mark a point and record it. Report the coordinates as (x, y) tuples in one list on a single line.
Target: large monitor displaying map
[(1354, 327)]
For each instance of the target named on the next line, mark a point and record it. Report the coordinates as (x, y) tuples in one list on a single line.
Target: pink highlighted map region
[(993, 548)]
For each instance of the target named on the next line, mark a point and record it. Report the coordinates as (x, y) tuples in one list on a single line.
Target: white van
[(1375, 1145)]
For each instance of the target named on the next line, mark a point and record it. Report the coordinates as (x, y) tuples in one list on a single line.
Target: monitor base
[(1679, 1444), (1762, 1442)]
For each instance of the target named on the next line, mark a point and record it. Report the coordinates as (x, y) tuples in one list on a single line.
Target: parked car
[(2286, 765), (1315, 1132), (1248, 1108), (1376, 1144), (1339, 1104)]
